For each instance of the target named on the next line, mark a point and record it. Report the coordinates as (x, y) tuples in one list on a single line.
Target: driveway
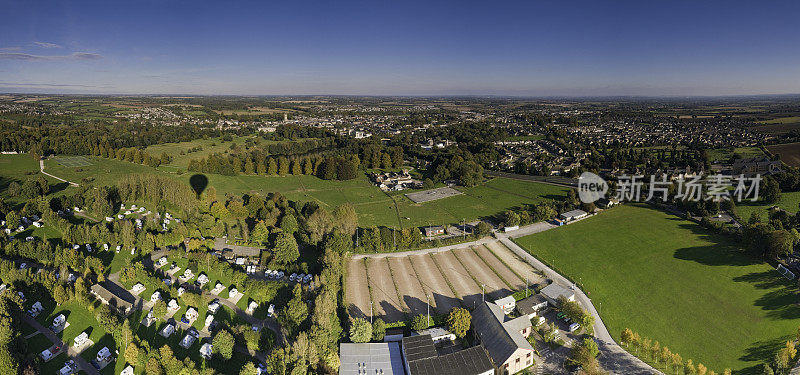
[(71, 353)]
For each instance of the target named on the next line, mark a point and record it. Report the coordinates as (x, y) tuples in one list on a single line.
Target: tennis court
[(73, 161)]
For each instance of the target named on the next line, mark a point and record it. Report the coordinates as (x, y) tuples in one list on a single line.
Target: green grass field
[(723, 154), (789, 201), (209, 146), (19, 168), (102, 171), (783, 120), (373, 206), (672, 281)]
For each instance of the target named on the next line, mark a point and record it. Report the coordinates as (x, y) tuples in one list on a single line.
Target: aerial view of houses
[(378, 188)]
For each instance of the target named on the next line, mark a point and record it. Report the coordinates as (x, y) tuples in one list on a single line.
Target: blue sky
[(520, 48)]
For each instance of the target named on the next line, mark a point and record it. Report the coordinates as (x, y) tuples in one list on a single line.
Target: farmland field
[(788, 152), (670, 280), (446, 279)]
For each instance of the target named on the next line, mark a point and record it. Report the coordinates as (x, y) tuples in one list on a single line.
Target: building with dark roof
[(532, 305), (751, 167), (105, 296), (421, 358), (504, 338)]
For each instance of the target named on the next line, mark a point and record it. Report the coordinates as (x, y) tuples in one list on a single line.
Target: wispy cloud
[(30, 57), (10, 49), (59, 85), (47, 45)]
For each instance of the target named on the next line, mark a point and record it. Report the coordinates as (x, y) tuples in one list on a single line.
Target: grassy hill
[(670, 280)]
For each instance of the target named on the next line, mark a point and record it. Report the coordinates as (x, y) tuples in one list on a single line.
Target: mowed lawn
[(673, 281), (373, 206), (789, 201)]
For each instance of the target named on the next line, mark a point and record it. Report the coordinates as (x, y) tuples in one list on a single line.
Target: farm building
[(371, 358), (421, 358), (434, 231), (532, 305), (504, 338), (506, 304), (573, 215), (553, 291), (751, 167)]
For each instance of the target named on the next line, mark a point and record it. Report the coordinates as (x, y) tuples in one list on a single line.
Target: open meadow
[(671, 280), (789, 201), (374, 207)]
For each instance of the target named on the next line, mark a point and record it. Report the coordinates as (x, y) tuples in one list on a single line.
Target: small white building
[(191, 314), (209, 320), (103, 355), (553, 291), (167, 330), (252, 306), (156, 296), (233, 292), (173, 304), (206, 350), (81, 339), (506, 304), (127, 370), (573, 215), (187, 341)]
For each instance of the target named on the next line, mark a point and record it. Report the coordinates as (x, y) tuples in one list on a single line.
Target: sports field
[(672, 281), (73, 161)]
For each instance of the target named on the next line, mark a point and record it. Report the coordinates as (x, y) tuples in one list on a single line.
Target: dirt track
[(459, 278), (434, 284), (408, 283), (357, 292), (518, 265), (508, 275), (384, 294), (495, 287)]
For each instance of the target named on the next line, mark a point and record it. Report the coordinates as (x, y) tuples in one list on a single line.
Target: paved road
[(71, 353), (41, 169)]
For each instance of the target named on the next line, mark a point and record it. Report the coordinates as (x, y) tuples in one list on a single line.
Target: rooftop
[(370, 358)]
